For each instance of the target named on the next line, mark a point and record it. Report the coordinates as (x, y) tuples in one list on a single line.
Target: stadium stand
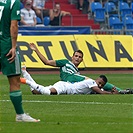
[(113, 8), (77, 18)]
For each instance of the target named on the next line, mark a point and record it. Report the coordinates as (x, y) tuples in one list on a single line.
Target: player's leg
[(126, 91), (16, 98), (14, 82), (108, 87), (13, 71), (39, 88), (27, 76)]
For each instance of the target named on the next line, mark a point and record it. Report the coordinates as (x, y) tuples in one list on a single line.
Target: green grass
[(69, 113)]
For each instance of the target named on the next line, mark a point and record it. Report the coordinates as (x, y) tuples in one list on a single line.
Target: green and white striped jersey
[(68, 71)]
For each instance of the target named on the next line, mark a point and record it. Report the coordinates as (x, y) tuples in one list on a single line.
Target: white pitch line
[(81, 123), (72, 102)]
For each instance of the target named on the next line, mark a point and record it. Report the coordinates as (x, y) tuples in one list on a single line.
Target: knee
[(14, 83)]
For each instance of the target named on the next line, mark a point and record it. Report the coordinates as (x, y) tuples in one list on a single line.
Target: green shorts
[(9, 69)]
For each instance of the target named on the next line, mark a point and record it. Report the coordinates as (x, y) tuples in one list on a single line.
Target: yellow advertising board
[(106, 50), (100, 51)]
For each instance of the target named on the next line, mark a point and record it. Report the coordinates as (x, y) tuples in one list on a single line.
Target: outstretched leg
[(26, 75), (38, 89)]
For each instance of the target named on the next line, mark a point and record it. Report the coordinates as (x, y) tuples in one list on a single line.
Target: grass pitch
[(69, 113)]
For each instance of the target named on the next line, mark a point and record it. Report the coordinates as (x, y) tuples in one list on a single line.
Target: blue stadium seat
[(124, 9), (128, 23), (99, 15), (115, 23), (46, 21), (123, 5), (39, 21), (127, 20), (110, 7), (95, 5), (98, 11), (126, 12)]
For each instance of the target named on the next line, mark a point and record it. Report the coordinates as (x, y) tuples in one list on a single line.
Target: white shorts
[(61, 87)]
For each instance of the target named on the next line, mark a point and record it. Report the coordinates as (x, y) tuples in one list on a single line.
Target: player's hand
[(33, 46), (114, 91), (12, 55)]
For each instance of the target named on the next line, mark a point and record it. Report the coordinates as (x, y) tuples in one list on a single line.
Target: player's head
[(77, 57), (78, 51), (101, 81), (104, 78)]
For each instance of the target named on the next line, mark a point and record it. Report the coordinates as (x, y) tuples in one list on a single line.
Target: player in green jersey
[(68, 69), (10, 60)]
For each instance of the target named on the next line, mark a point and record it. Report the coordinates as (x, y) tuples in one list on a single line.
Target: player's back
[(83, 87)]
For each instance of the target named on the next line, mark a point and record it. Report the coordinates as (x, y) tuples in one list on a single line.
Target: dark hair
[(79, 51), (104, 78)]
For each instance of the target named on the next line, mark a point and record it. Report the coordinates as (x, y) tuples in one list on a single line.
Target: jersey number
[(1, 10)]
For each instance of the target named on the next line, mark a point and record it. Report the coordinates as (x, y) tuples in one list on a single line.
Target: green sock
[(108, 87), (16, 98)]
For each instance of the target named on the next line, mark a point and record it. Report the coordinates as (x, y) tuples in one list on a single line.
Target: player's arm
[(98, 90), (42, 58), (14, 34)]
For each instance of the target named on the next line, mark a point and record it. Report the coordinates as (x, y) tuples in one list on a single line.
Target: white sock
[(43, 90), (26, 75)]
